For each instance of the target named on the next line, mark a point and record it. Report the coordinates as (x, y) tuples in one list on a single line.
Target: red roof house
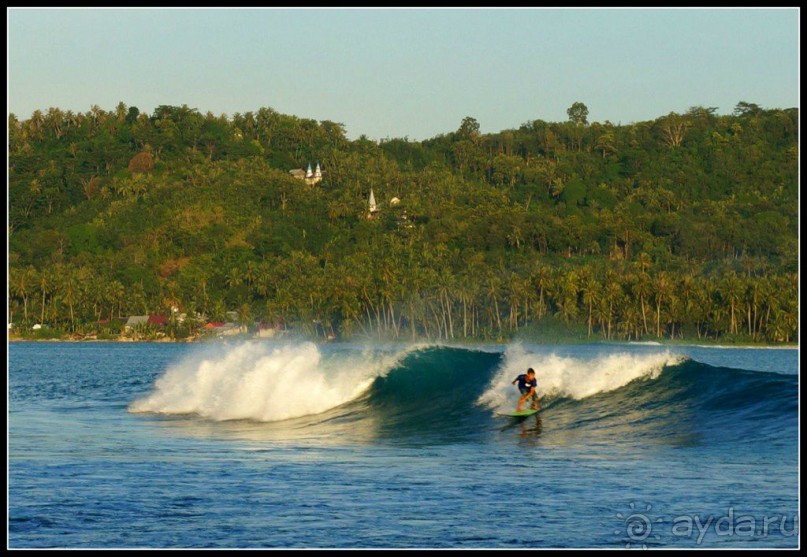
[(158, 319)]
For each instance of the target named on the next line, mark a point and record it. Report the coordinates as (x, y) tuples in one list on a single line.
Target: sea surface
[(299, 445)]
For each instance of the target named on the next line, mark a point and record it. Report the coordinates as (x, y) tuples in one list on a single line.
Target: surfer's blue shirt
[(524, 384)]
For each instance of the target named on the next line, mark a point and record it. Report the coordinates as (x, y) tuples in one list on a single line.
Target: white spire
[(372, 201), (318, 172), (308, 172)]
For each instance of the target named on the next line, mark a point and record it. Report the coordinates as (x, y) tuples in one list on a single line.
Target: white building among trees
[(310, 177)]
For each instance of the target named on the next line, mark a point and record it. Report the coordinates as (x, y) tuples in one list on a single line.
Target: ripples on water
[(265, 445)]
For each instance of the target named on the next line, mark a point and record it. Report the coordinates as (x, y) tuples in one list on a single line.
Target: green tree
[(578, 114)]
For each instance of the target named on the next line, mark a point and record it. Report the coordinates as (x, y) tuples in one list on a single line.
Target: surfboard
[(522, 414)]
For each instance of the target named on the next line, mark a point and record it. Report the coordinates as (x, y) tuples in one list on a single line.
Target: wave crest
[(263, 383), (571, 377)]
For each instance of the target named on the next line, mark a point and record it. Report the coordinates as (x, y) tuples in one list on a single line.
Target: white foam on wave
[(264, 382), (571, 377), (644, 343), (750, 347)]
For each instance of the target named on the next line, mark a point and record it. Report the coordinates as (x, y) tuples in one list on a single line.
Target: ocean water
[(297, 445)]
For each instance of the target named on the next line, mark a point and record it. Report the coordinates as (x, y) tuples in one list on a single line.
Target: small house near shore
[(159, 320), (135, 320), (228, 329)]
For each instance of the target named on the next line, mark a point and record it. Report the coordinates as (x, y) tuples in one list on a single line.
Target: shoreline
[(559, 342)]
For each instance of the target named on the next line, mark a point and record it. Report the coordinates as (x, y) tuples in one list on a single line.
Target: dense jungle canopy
[(683, 227)]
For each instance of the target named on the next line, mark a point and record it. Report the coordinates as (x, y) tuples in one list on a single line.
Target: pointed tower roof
[(308, 172), (372, 201), (318, 172)]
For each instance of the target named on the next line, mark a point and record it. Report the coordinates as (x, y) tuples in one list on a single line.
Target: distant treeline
[(683, 227)]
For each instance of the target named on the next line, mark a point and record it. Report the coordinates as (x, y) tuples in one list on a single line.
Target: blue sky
[(396, 73)]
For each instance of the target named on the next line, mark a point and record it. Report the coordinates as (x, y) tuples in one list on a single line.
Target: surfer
[(526, 385)]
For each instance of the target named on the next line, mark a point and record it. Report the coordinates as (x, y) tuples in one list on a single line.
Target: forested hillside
[(684, 227)]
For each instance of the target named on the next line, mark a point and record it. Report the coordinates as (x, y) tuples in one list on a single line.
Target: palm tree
[(661, 286), (251, 273), (641, 289), (36, 124), (68, 291), (730, 290), (463, 292), (541, 278), (446, 304), (612, 297), (784, 325), (629, 324), (494, 284), (567, 298), (591, 295), (716, 312), (54, 120), (601, 315), (767, 299), (218, 310), (675, 313), (120, 111), (527, 296), (45, 287), (605, 143), (96, 115), (244, 316), (70, 119), (234, 278), (515, 295), (115, 296), (21, 282), (695, 308)]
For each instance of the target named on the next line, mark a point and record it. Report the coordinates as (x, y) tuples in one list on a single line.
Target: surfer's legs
[(522, 398), (533, 400)]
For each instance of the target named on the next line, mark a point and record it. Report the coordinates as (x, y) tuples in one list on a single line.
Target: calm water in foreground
[(255, 445)]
